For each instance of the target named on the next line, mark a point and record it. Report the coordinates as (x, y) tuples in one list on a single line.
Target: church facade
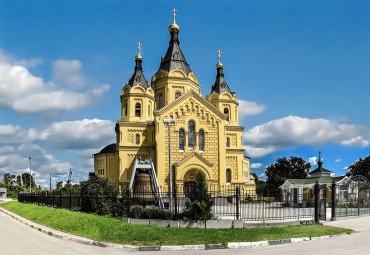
[(205, 134)]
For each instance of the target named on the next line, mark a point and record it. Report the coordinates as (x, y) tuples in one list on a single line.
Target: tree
[(9, 178), (101, 189), (19, 180), (58, 186), (200, 205), (261, 186), (361, 167), (26, 181), (294, 168)]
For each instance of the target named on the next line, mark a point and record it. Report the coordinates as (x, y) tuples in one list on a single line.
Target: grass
[(114, 231)]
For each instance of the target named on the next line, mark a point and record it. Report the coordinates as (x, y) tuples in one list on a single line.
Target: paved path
[(17, 238), (357, 243)]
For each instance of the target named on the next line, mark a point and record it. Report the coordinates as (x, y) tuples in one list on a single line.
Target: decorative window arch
[(227, 142), (181, 139), (226, 111), (137, 139), (191, 134), (228, 175), (138, 110), (177, 95), (201, 140), (160, 101)]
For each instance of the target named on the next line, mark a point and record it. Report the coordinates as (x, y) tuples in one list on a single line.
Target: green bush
[(201, 202), (12, 190), (99, 195), (138, 212)]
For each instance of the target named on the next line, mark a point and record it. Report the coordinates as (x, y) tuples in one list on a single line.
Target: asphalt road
[(17, 238)]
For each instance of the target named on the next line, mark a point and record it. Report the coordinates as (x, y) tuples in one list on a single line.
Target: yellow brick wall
[(208, 115)]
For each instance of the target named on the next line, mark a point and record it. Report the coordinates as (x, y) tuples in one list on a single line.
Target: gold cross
[(219, 55), (319, 155), (138, 46), (174, 14)]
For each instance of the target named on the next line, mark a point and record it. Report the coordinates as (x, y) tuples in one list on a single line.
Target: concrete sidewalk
[(337, 245)]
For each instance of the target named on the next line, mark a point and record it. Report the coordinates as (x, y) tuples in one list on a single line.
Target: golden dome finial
[(219, 64), (139, 57), (174, 27)]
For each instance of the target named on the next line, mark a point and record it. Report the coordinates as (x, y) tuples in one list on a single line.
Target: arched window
[(160, 101), (177, 95), (226, 111), (137, 139), (125, 109), (181, 139), (148, 110), (191, 134), (138, 110), (228, 175), (228, 142), (201, 140)]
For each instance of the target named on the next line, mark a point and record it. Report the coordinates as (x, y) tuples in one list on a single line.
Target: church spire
[(138, 76), (220, 84), (319, 163), (174, 57)]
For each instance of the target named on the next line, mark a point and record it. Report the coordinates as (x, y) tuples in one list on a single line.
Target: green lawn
[(115, 231)]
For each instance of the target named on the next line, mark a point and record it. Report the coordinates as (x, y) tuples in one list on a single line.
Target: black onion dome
[(138, 76), (220, 84), (174, 57), (111, 148)]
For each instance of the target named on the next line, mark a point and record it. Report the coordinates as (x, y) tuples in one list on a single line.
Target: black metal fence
[(352, 204), (229, 202)]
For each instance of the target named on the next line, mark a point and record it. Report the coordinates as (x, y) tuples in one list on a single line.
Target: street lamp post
[(169, 123), (30, 174)]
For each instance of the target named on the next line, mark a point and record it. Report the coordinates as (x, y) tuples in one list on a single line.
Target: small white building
[(295, 191), (2, 193)]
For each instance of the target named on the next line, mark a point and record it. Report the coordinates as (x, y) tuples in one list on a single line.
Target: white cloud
[(51, 101), (293, 131), (339, 160), (29, 62), (48, 146), (256, 165), (359, 141), (25, 93), (80, 134), (17, 82), (248, 108), (69, 72), (312, 161), (10, 134)]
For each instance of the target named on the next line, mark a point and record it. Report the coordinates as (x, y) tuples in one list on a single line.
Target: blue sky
[(299, 68)]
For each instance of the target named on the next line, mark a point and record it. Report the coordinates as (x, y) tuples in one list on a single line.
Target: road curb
[(231, 245)]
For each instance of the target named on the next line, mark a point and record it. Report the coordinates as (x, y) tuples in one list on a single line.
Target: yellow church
[(204, 133)]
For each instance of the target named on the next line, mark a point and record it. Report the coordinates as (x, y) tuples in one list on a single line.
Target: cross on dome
[(219, 64), (139, 57), (174, 14)]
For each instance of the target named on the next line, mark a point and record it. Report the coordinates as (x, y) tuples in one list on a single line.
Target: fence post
[(333, 200), (60, 200), (237, 203), (128, 203), (358, 198), (317, 194), (70, 200), (175, 196)]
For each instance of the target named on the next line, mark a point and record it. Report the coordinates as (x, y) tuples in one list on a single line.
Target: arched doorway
[(189, 180)]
